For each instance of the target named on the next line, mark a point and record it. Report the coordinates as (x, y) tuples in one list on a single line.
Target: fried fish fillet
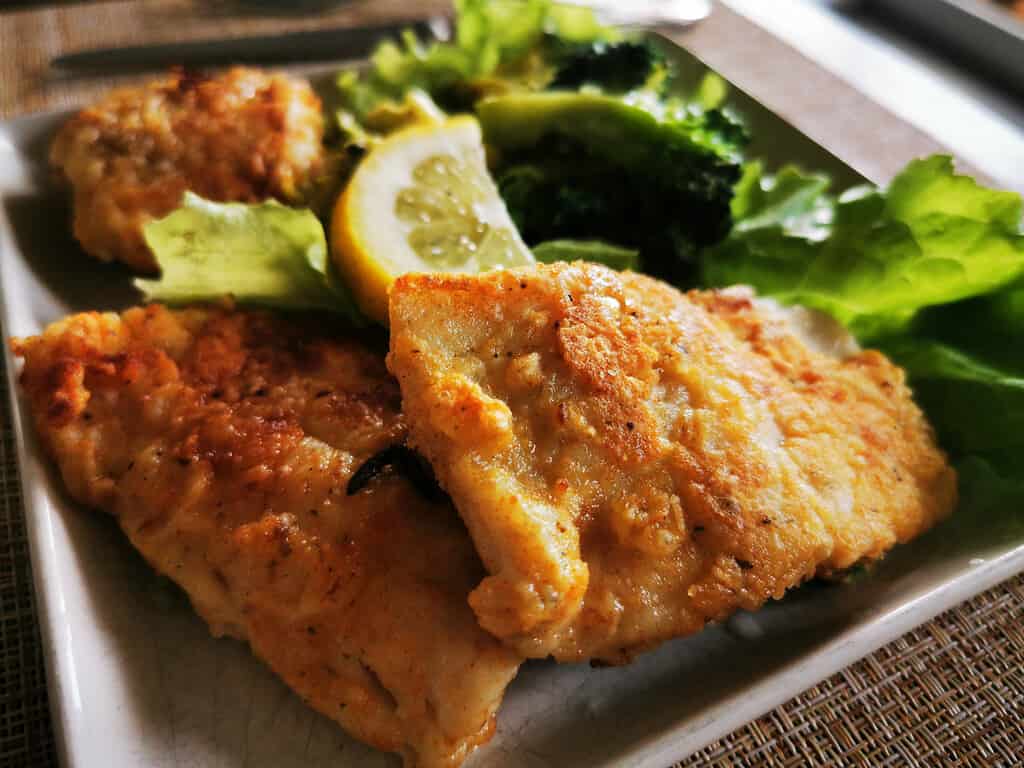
[(242, 136), (633, 462), (223, 443)]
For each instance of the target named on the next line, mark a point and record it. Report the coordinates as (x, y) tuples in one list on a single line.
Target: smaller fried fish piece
[(241, 136), (223, 443), (633, 462)]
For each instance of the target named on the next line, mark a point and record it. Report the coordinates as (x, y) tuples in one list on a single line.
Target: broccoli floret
[(582, 166), (667, 219), (614, 67)]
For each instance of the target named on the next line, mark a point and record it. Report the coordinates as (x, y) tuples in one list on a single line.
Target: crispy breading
[(633, 462), (223, 442), (242, 136)]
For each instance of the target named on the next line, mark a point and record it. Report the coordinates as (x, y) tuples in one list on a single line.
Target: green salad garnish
[(506, 43), (874, 258), (266, 254)]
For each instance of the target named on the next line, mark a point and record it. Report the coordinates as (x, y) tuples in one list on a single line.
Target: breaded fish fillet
[(223, 442), (242, 136), (633, 462)]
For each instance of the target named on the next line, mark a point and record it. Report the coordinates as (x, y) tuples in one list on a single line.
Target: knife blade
[(334, 43)]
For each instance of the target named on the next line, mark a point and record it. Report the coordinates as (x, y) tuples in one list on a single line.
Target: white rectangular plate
[(136, 679)]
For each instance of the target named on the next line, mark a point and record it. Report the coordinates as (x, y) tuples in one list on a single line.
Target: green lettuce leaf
[(265, 254), (490, 35), (595, 251), (993, 495), (990, 328), (795, 201), (966, 365), (873, 259), (977, 409), (577, 24), (638, 129), (712, 91)]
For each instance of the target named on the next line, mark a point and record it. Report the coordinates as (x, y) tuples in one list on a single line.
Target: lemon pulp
[(422, 201), (441, 213)]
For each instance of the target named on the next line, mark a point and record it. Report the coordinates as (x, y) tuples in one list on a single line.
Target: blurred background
[(951, 68)]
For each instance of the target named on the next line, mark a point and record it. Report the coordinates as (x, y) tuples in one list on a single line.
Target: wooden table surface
[(967, 699)]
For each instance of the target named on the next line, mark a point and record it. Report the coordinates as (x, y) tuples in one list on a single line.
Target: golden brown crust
[(632, 462), (242, 136), (223, 443)]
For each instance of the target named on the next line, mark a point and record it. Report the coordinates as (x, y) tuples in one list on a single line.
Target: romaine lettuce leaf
[(966, 365), (265, 254), (995, 496), (595, 251), (976, 409), (795, 201), (989, 328), (489, 35), (712, 91), (639, 129), (577, 24), (875, 258)]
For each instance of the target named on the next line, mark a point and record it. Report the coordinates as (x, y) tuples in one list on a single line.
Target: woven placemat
[(26, 735)]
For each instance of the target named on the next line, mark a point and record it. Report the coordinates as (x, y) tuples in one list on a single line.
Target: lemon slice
[(421, 201)]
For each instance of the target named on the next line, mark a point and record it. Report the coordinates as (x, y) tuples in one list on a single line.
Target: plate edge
[(41, 560)]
